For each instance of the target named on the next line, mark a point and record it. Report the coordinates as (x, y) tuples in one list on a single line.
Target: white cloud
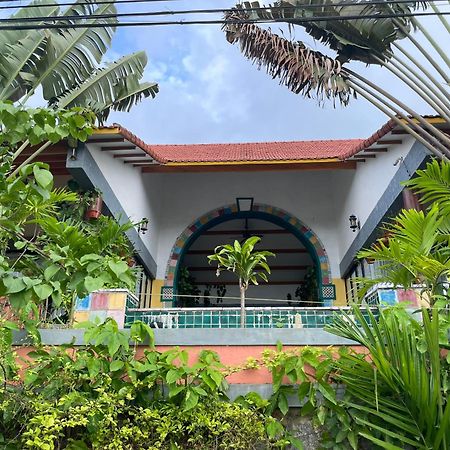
[(210, 93)]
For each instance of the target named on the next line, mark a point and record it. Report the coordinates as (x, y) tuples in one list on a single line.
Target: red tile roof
[(341, 149), (241, 152), (366, 143), (255, 151)]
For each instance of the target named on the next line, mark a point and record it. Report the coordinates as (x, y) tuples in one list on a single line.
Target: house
[(315, 204)]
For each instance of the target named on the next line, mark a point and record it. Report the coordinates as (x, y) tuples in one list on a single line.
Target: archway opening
[(297, 270)]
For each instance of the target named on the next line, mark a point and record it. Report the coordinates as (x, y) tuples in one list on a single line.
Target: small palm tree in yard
[(247, 264)]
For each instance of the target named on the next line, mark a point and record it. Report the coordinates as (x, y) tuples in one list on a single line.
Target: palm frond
[(356, 39), (9, 37), (107, 88), (301, 69), (400, 387), (20, 50), (65, 235), (417, 229), (131, 93), (107, 233), (415, 252), (72, 55), (65, 61), (433, 185), (249, 265)]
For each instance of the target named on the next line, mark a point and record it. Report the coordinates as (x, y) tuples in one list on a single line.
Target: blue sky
[(210, 93)]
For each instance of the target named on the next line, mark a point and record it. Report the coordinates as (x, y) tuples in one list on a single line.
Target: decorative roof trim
[(383, 131), (359, 146), (251, 162)]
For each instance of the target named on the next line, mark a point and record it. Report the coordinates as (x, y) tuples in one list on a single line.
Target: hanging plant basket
[(94, 209), (131, 261)]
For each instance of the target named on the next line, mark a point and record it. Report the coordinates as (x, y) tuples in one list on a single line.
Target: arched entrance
[(297, 247)]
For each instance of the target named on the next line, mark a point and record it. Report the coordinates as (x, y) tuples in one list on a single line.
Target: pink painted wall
[(237, 356), (229, 355)]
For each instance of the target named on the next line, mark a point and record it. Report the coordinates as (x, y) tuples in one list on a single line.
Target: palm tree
[(66, 63), (372, 40), (418, 250), (247, 264)]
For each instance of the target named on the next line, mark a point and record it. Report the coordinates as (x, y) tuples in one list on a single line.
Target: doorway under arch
[(299, 250)]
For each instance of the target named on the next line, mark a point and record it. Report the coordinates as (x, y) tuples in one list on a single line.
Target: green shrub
[(111, 422), (98, 396)]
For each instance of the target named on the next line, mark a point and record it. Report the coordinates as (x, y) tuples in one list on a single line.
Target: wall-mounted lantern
[(354, 223), (244, 204), (143, 226), (72, 143)]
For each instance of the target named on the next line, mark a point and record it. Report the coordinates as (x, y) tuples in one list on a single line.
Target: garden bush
[(111, 421), (100, 396)]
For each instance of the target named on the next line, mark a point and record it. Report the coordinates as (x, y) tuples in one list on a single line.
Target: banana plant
[(372, 39), (247, 264), (67, 63)]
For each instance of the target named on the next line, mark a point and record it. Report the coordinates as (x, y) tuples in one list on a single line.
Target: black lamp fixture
[(72, 143), (354, 223), (244, 204), (143, 226)]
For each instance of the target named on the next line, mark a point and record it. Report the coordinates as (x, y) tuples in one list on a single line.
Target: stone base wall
[(303, 429)]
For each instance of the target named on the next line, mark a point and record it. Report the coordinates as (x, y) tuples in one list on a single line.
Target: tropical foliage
[(247, 264), (67, 62), (46, 260), (372, 39), (187, 288), (392, 393), (400, 395), (26, 132), (397, 395), (301, 69), (417, 252), (103, 396)]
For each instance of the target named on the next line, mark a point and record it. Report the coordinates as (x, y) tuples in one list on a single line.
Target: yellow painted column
[(155, 301), (341, 297)]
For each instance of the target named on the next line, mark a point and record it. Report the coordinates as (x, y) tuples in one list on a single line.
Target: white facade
[(139, 195), (361, 191), (321, 199), (307, 195)]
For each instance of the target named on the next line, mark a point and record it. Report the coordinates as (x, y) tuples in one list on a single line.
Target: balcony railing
[(256, 317)]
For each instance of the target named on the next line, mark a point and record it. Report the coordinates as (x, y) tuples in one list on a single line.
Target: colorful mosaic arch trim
[(177, 249)]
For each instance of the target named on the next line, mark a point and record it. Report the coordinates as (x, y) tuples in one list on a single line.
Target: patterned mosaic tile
[(81, 316), (118, 316), (117, 301), (307, 232), (97, 316), (83, 304), (99, 301)]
